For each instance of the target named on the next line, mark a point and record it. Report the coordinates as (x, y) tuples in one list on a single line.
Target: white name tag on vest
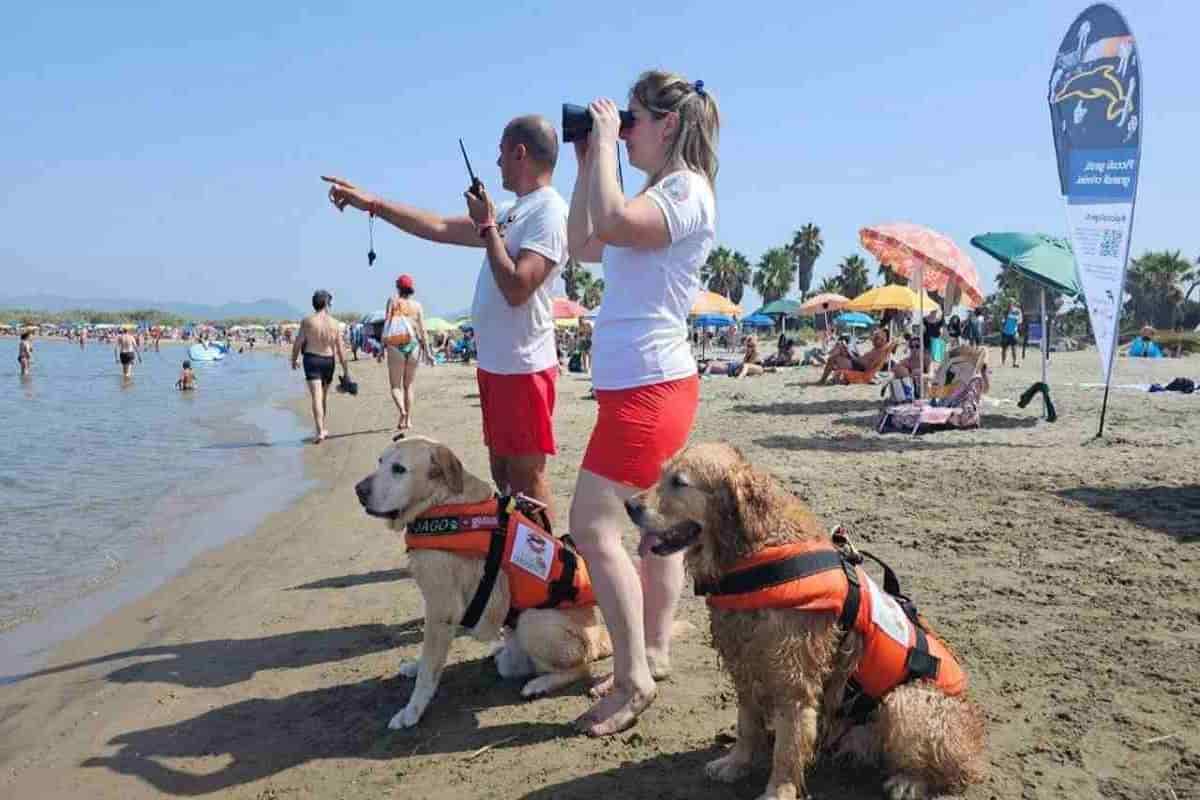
[(888, 616), (533, 552)]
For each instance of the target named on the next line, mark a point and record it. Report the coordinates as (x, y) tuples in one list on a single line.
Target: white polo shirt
[(520, 340), (641, 334)]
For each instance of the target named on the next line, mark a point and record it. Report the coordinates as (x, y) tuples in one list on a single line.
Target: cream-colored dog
[(558, 646)]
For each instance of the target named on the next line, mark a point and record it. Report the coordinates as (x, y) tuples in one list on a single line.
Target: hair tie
[(699, 87)]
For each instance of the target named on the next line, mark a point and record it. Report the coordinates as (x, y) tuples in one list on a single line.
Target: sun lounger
[(854, 376)]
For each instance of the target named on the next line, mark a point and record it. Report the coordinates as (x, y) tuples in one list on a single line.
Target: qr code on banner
[(1110, 244)]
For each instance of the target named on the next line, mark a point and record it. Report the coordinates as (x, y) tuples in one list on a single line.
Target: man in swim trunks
[(318, 340), (25, 353), (126, 350)]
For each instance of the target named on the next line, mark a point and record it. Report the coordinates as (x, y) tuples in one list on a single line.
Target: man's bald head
[(538, 136)]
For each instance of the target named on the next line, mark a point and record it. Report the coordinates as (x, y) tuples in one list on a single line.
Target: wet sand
[(1064, 574)]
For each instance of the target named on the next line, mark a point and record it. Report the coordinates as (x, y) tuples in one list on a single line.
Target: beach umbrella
[(566, 308), (893, 296), (783, 305), (713, 303), (712, 321), (439, 325), (823, 303), (1046, 260), (758, 320), (566, 323), (854, 319), (930, 260)]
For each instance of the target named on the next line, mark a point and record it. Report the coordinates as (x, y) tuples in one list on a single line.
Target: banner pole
[(1045, 352)]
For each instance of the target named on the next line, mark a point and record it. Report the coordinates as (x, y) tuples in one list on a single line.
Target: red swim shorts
[(518, 412), (639, 429)]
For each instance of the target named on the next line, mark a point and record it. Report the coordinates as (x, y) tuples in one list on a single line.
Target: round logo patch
[(677, 187)]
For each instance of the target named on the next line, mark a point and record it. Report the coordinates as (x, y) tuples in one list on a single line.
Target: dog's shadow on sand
[(680, 776), (361, 579), (224, 662), (260, 737)]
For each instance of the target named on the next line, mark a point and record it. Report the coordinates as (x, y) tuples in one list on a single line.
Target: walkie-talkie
[(476, 185)]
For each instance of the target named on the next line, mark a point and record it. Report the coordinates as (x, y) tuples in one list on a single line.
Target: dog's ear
[(447, 467), (758, 502)]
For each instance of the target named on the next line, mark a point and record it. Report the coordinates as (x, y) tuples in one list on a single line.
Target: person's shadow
[(224, 662)]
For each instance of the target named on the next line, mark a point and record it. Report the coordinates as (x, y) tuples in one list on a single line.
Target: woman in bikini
[(402, 358)]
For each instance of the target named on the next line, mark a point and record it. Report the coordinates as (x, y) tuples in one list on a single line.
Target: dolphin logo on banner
[(1095, 98)]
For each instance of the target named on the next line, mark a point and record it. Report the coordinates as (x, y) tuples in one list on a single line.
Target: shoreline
[(268, 668), (191, 518)]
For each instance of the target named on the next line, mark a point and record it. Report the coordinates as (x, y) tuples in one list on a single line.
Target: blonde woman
[(652, 247)]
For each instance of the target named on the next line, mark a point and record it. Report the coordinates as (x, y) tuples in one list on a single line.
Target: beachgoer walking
[(526, 247), (975, 328), (318, 342), (25, 353), (1008, 333), (126, 351), (652, 248), (83, 334), (407, 343)]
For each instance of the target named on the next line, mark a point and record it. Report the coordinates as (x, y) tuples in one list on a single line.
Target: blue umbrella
[(854, 319), (759, 321), (712, 321)]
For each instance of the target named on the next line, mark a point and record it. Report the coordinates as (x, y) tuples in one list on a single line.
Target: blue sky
[(173, 151)]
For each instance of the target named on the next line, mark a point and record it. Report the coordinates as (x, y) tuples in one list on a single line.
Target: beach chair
[(960, 410), (853, 376)]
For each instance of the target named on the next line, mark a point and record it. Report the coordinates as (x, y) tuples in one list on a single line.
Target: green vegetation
[(83, 316)]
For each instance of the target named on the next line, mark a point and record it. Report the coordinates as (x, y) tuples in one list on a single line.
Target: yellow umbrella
[(713, 303), (439, 325), (892, 296), (566, 323)]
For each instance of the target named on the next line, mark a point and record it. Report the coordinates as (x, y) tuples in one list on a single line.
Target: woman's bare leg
[(395, 365), (410, 375), (597, 521)]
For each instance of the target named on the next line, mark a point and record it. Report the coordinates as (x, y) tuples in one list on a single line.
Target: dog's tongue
[(648, 543)]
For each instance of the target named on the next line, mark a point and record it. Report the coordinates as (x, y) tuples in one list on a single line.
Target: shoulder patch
[(677, 187)]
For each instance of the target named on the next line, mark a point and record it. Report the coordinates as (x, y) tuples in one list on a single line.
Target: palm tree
[(805, 249), (594, 293), (889, 275), (832, 284), (1153, 283), (774, 275), (572, 273), (853, 276), (726, 272)]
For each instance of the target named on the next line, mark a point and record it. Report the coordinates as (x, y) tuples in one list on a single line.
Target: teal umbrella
[(781, 306), (1046, 260)]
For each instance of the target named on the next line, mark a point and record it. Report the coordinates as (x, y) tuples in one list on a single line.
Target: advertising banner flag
[(1096, 111)]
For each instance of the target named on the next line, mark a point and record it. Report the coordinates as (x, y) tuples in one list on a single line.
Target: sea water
[(108, 486)]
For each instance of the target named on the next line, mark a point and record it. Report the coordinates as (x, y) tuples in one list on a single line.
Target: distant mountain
[(267, 308)]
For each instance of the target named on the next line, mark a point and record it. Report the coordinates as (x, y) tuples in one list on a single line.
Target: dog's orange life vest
[(815, 576), (543, 571)]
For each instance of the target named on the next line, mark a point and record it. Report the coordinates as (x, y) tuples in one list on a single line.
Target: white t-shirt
[(520, 340), (641, 334)]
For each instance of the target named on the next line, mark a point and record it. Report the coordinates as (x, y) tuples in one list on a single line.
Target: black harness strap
[(562, 590), (491, 568), (773, 573), (921, 663)]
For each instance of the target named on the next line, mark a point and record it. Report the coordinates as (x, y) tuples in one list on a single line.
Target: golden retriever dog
[(790, 667), (558, 646)]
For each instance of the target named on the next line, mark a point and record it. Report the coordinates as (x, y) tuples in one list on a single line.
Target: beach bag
[(575, 363), (397, 330)]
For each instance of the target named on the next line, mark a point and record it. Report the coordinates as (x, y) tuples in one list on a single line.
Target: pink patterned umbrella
[(566, 308), (908, 248)]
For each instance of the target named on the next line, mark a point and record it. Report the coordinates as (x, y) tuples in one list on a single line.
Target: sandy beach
[(1063, 572)]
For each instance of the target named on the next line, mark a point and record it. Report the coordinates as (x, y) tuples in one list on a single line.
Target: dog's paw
[(905, 787), (407, 718), (727, 769), (409, 669), (537, 687)]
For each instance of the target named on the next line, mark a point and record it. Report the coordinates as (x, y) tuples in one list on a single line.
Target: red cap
[(405, 282)]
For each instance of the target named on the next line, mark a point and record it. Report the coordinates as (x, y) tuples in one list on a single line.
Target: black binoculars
[(577, 122)]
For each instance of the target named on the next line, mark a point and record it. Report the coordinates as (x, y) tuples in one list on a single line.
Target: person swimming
[(187, 378)]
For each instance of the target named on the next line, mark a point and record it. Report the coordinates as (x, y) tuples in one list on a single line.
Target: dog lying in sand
[(421, 485), (762, 557)]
